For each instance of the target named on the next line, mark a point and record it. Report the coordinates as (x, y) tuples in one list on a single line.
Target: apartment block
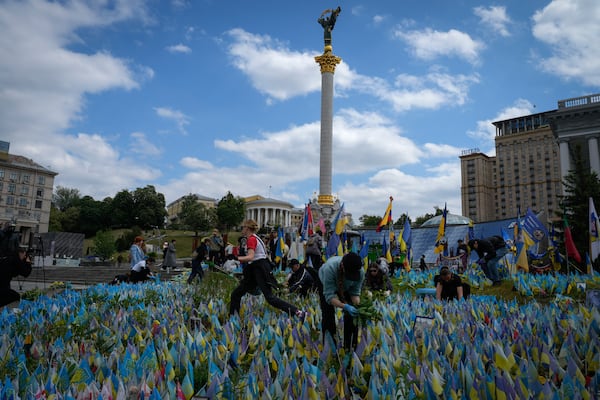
[(525, 172), (25, 192)]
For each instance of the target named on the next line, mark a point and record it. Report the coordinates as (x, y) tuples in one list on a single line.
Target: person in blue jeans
[(489, 253), (341, 280)]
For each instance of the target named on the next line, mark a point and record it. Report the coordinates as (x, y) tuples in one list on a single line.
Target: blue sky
[(214, 96)]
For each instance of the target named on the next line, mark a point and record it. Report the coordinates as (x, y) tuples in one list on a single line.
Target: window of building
[(13, 176), (38, 204), (39, 193), (1, 174), (1, 186), (37, 216), (12, 188), (23, 201), (25, 178), (24, 190), (10, 200), (41, 180)]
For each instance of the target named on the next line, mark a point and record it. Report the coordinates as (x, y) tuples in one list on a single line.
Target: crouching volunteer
[(341, 282)]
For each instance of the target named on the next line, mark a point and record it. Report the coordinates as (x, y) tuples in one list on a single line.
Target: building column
[(594, 156), (565, 160)]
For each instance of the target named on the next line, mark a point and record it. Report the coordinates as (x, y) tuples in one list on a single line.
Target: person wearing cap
[(300, 280), (256, 274), (340, 287)]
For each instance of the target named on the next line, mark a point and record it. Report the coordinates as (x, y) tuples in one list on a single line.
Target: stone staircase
[(88, 275)]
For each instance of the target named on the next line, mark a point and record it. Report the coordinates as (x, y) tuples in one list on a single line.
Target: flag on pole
[(307, 223), (470, 232), (332, 245), (522, 243), (280, 248), (321, 225), (387, 217), (364, 253), (534, 227), (440, 242), (594, 231), (588, 263), (340, 220), (386, 248), (407, 240), (569, 243), (390, 240), (555, 256)]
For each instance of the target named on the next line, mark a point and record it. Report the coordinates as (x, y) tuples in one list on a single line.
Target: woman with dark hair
[(256, 274), (341, 280), (376, 280)]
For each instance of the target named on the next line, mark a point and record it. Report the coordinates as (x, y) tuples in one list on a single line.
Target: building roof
[(268, 201), (25, 163), (451, 219)]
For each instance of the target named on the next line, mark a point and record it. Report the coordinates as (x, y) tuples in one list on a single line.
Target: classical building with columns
[(576, 123), (269, 212)]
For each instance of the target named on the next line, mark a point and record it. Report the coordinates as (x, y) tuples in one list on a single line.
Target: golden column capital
[(328, 61), (325, 199)]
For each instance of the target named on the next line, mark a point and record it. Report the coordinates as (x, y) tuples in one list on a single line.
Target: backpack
[(497, 242)]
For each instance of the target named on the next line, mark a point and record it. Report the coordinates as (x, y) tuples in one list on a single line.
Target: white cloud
[(179, 48), (194, 163), (378, 19), (140, 144), (486, 131), (571, 31), (45, 81), (180, 118), (429, 44), (494, 17), (268, 65), (364, 143)]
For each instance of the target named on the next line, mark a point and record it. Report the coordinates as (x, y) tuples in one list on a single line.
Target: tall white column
[(328, 62), (594, 156)]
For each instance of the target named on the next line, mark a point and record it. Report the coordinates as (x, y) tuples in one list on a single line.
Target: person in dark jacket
[(449, 286), (489, 255), (300, 280), (12, 266)]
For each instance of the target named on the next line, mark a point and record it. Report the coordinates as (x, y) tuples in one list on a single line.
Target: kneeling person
[(449, 286)]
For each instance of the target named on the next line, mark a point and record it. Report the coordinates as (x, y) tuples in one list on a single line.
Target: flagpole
[(566, 251)]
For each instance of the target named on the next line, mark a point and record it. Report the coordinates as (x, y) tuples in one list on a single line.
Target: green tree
[(70, 220), (230, 211), (91, 216), (580, 184), (400, 222), (55, 223), (194, 215), (104, 244), (369, 220), (423, 218), (123, 210), (64, 198), (149, 208)]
